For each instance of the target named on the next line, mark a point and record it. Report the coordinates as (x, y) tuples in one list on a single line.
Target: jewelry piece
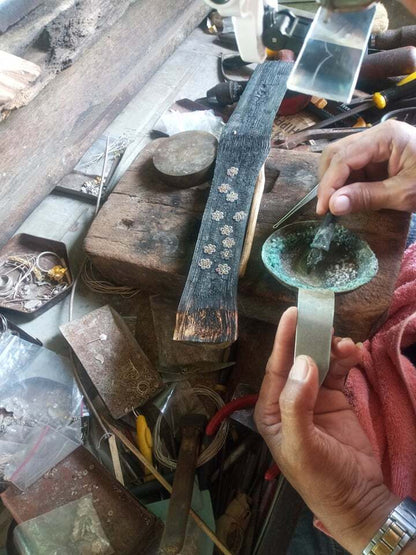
[(224, 187), (228, 242), (232, 172), (205, 263), (232, 197), (223, 269), (226, 229), (217, 215), (226, 254), (210, 249), (239, 216)]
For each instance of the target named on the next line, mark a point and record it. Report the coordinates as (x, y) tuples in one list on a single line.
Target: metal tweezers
[(307, 198)]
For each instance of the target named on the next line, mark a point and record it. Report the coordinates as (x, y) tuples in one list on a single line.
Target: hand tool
[(389, 63), (307, 198), (322, 241), (144, 440), (381, 99), (394, 38), (201, 524), (296, 139), (192, 426)]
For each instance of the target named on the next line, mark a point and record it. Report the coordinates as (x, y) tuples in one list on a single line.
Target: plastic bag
[(173, 122), (73, 529), (40, 410)]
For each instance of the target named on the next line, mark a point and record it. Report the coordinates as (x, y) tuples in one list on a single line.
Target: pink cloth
[(383, 390)]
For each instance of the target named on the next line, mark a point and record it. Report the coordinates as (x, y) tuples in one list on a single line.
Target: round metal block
[(186, 159)]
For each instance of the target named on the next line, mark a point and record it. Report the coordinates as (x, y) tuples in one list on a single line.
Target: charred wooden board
[(207, 311), (144, 236), (129, 527)]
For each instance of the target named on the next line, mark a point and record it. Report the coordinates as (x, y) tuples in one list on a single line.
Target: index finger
[(346, 155)]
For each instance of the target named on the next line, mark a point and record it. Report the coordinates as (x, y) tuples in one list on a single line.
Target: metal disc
[(186, 159)]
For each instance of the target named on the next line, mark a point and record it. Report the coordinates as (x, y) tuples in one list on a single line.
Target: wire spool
[(214, 447)]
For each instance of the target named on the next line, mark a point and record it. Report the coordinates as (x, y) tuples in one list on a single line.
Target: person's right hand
[(371, 170)]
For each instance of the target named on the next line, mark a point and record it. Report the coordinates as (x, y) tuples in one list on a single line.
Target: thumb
[(297, 401), (362, 196)]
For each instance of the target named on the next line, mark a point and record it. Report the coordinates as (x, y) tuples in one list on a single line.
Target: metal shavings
[(232, 172), (226, 229), (209, 249), (228, 242), (232, 196), (217, 215), (224, 188), (226, 254), (223, 269), (100, 358), (239, 216), (205, 263)]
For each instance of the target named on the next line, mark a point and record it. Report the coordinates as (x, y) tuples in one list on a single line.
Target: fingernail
[(359, 345), (341, 204), (299, 369)]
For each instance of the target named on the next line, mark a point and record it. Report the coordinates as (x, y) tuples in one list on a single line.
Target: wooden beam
[(42, 142), (207, 312)]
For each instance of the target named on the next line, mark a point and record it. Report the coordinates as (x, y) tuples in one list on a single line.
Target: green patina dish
[(349, 263)]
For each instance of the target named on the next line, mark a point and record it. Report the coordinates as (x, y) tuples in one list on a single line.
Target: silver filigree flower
[(226, 254), (217, 215), (232, 172), (226, 229), (205, 263), (239, 216), (228, 242), (209, 249), (224, 187), (223, 269), (232, 196)]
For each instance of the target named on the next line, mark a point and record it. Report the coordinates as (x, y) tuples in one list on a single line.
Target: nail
[(359, 345), (341, 204), (299, 369)]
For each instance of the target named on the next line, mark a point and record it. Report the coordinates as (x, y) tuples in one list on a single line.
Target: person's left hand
[(317, 441)]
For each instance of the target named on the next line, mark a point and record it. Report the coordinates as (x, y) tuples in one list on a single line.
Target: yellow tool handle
[(405, 87), (144, 438)]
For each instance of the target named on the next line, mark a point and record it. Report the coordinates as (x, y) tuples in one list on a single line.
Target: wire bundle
[(207, 454), (97, 285)]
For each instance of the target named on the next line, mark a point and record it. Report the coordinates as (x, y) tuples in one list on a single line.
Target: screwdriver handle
[(408, 88)]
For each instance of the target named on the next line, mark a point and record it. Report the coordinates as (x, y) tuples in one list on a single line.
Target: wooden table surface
[(145, 234)]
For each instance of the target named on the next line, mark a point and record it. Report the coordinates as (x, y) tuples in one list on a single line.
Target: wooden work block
[(129, 527), (145, 234)]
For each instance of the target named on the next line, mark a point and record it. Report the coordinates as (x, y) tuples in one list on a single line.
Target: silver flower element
[(223, 269), (228, 242), (232, 196), (239, 216), (217, 215), (226, 254), (226, 229), (210, 249), (232, 172), (205, 263), (224, 187)]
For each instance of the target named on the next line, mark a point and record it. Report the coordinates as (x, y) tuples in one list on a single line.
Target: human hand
[(371, 170), (316, 439)]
